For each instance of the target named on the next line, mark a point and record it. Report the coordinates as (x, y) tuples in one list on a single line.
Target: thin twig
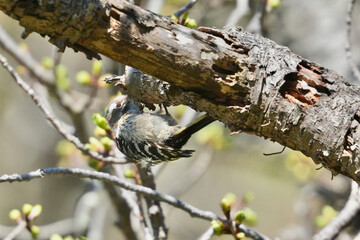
[(184, 9), (344, 218), (349, 56), (207, 235), (17, 230), (154, 209), (242, 7), (49, 116), (193, 174), (105, 177), (8, 44), (275, 153), (255, 25)]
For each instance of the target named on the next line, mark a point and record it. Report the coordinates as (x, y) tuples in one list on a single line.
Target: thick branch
[(345, 217), (248, 82)]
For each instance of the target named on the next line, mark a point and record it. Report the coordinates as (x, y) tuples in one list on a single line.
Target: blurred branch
[(184, 9), (47, 78), (255, 24), (105, 177), (193, 173), (348, 51), (62, 227), (123, 209), (242, 7), (207, 235), (21, 225), (49, 116), (155, 211), (44, 76), (155, 5), (344, 218)]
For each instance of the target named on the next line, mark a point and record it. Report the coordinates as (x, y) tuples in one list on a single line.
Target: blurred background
[(285, 191)]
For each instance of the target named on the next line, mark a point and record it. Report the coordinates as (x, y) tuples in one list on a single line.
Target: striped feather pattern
[(152, 151)]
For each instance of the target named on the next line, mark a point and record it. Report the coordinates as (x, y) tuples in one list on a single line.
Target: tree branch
[(348, 51), (344, 218), (105, 177), (49, 116)]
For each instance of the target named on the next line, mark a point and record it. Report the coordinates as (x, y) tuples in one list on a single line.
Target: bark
[(246, 81)]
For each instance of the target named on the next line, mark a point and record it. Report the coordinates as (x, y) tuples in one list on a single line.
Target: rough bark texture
[(246, 81)]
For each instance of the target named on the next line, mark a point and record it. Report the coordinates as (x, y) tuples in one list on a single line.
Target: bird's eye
[(118, 105)]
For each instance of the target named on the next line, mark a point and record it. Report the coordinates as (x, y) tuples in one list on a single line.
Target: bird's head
[(119, 106)]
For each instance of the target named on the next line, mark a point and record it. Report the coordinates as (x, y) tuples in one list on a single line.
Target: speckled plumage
[(148, 137)]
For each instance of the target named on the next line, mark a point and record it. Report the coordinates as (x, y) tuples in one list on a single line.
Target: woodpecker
[(149, 138)]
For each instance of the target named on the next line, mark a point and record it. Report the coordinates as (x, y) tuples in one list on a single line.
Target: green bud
[(129, 173), (89, 146), (231, 197), (47, 62), (23, 47), (107, 143), (96, 145), (225, 205), (15, 214), (328, 213), (36, 211), (96, 68), (240, 217), (95, 164), (64, 148), (248, 197), (20, 69), (190, 23), (83, 77), (173, 17), (102, 83), (227, 202), (251, 216), (100, 121), (56, 237), (274, 3), (217, 227), (240, 235), (62, 81), (99, 132), (26, 209), (35, 230), (68, 238), (321, 221)]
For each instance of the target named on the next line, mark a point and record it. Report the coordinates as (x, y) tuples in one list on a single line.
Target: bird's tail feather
[(182, 135)]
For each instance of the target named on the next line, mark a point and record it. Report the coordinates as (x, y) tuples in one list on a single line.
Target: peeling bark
[(246, 81)]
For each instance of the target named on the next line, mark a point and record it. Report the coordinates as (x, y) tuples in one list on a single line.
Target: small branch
[(349, 56), (154, 209), (207, 235), (17, 230), (275, 153), (49, 116), (44, 76), (105, 177), (184, 9), (193, 174), (242, 7), (255, 24), (343, 219)]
